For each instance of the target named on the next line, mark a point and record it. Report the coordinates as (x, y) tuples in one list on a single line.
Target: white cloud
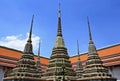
[(18, 42)]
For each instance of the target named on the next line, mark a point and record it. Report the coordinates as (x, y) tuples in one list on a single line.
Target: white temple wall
[(115, 72), (2, 71)]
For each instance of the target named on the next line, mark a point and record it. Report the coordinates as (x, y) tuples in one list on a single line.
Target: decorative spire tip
[(89, 31), (59, 33), (59, 10), (30, 34)]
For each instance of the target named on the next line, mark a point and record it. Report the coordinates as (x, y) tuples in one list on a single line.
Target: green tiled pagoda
[(25, 69), (94, 70)]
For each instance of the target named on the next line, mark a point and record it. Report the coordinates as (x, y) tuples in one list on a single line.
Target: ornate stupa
[(38, 65), (94, 70), (25, 69), (79, 68), (59, 66)]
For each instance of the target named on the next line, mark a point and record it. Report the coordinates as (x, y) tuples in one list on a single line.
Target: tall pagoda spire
[(28, 47), (59, 57), (59, 32), (79, 68), (89, 31), (94, 70), (92, 47), (30, 34), (59, 39)]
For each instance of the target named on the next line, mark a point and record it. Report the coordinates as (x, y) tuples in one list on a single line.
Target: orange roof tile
[(106, 54), (83, 57), (109, 51), (7, 64), (11, 53), (102, 53), (8, 61), (42, 60), (112, 63)]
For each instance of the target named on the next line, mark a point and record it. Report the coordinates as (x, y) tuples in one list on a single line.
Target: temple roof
[(9, 57), (110, 56)]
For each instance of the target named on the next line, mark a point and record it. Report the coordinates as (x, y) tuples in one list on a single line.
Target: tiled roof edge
[(18, 51), (109, 46), (70, 56), (11, 49)]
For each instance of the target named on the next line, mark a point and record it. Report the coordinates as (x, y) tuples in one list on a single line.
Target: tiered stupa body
[(94, 70), (59, 65), (79, 68), (25, 69)]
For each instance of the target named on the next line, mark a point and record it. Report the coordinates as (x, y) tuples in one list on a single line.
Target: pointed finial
[(28, 47), (78, 50), (90, 35), (30, 34), (59, 10), (59, 33), (39, 49)]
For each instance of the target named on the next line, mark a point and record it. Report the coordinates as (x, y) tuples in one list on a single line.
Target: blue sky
[(15, 19)]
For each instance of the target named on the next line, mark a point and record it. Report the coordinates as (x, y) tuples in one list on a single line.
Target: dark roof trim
[(8, 62), (9, 58)]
